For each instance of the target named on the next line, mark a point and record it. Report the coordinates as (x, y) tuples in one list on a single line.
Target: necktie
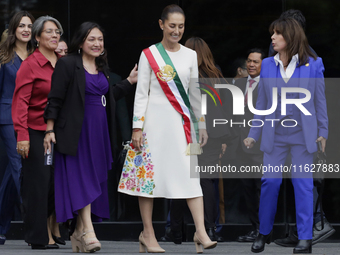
[(251, 82)]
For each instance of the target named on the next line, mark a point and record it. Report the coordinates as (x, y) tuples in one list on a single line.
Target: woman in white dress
[(159, 165)]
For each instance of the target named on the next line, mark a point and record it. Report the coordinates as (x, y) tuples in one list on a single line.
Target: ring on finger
[(21, 149)]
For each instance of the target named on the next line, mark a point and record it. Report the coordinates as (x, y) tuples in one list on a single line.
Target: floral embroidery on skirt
[(137, 174)]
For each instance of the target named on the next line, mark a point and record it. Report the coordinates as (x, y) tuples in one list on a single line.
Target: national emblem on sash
[(166, 73)]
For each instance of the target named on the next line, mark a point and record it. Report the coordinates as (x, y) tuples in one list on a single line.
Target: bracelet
[(136, 129), (49, 131)]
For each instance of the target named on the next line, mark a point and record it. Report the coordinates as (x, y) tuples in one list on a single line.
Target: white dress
[(168, 172)]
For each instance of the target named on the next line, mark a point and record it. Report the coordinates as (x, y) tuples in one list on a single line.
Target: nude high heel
[(76, 244), (143, 247), (207, 245), (90, 244)]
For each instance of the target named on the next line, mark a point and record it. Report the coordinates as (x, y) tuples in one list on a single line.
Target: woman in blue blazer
[(13, 51), (294, 128)]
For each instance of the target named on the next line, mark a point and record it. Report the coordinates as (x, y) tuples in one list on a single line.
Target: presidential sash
[(172, 86)]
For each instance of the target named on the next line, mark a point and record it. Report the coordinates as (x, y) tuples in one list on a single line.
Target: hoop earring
[(101, 54), (79, 51)]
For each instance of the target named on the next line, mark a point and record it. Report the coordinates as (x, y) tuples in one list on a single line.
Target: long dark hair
[(295, 38), (7, 48), (79, 38), (205, 59)]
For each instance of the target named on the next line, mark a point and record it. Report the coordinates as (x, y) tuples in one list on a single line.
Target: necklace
[(89, 70)]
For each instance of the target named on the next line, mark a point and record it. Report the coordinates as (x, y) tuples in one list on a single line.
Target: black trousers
[(251, 186), (37, 191), (210, 157)]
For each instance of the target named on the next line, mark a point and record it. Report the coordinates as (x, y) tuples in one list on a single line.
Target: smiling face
[(62, 48), (23, 31), (49, 41), (254, 64), (93, 45), (173, 28)]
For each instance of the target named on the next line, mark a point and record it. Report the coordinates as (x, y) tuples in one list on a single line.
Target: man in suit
[(253, 156)]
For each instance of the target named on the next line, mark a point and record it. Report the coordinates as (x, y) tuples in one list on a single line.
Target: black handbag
[(319, 160), (122, 154), (319, 181)]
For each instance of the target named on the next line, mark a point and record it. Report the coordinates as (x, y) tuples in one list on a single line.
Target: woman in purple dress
[(80, 117)]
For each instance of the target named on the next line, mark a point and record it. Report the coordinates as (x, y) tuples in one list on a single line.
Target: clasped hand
[(137, 138)]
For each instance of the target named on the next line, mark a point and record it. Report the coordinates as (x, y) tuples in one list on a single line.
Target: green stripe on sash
[(179, 86)]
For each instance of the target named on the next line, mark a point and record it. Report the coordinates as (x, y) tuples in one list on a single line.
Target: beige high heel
[(207, 245), (76, 244), (143, 247), (90, 244)]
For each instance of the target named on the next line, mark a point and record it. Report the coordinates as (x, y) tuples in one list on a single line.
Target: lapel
[(271, 79), (17, 62), (242, 84), (304, 75), (80, 77)]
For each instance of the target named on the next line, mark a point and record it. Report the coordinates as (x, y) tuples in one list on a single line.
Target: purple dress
[(82, 179)]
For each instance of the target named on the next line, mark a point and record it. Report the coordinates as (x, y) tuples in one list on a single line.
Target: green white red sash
[(172, 86)]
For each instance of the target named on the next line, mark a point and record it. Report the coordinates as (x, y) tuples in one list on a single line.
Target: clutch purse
[(194, 149)]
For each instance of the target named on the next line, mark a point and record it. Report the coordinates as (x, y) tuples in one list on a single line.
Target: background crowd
[(251, 63)]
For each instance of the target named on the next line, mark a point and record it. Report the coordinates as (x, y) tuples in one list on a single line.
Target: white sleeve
[(195, 93), (142, 92)]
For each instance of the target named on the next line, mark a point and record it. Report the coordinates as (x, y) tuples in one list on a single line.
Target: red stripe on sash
[(168, 93)]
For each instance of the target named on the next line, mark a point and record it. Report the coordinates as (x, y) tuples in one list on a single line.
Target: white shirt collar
[(295, 59), (257, 78), (288, 73)]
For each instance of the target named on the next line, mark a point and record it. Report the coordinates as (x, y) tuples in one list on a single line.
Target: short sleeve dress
[(162, 168)]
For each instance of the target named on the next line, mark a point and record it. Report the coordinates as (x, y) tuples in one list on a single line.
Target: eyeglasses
[(50, 31)]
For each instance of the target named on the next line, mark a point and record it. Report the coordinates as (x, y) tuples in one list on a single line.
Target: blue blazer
[(313, 125), (8, 73)]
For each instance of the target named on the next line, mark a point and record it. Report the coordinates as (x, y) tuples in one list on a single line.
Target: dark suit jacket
[(8, 73), (66, 103), (215, 112), (248, 115)]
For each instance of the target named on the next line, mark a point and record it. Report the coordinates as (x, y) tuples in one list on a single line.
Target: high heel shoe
[(260, 241), (76, 244), (207, 245), (143, 247), (58, 240), (90, 244)]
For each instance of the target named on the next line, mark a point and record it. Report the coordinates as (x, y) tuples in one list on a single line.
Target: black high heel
[(58, 240), (260, 241)]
